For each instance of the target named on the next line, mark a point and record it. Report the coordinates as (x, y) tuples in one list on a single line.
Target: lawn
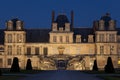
[(94, 72), (11, 77), (109, 77), (99, 72)]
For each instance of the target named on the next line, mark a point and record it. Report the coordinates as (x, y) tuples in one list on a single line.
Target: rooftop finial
[(107, 14)]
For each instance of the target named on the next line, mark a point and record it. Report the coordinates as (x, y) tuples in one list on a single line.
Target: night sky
[(37, 13)]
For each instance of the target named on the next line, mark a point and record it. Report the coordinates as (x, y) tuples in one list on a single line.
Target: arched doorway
[(61, 64)]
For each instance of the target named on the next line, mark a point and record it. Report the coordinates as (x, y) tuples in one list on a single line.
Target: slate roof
[(84, 32), (42, 35), (118, 31), (1, 36), (61, 20), (37, 35)]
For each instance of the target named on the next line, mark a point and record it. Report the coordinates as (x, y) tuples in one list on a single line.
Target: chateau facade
[(61, 47)]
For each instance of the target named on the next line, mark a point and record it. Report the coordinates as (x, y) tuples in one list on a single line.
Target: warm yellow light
[(119, 62)]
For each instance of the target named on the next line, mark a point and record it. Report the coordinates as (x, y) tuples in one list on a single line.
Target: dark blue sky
[(37, 13)]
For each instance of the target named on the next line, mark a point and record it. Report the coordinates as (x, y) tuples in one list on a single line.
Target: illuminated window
[(9, 61), (54, 38), (101, 49), (111, 49), (9, 38), (19, 38), (9, 50), (18, 50), (119, 62)]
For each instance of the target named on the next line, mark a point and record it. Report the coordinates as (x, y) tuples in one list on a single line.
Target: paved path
[(61, 75)]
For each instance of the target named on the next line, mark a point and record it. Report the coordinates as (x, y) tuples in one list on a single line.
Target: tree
[(95, 67), (28, 65), (15, 65), (109, 66)]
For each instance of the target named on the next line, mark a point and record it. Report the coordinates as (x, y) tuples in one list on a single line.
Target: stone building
[(63, 46)]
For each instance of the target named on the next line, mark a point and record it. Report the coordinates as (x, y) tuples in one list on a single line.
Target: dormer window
[(78, 38), (9, 25), (67, 26), (54, 26)]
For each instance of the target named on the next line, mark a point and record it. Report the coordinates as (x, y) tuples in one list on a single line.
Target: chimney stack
[(53, 16), (72, 20)]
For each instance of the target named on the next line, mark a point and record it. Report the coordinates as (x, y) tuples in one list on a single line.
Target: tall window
[(9, 50), (54, 38), (18, 50), (111, 37), (101, 37), (37, 51), (9, 38), (61, 39), (9, 61), (45, 51), (19, 38), (67, 38), (101, 49), (1, 62), (28, 50), (111, 49)]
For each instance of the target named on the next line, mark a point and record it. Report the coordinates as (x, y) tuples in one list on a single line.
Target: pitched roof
[(37, 35), (42, 35), (84, 32)]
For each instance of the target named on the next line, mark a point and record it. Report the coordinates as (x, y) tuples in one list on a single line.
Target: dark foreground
[(61, 75)]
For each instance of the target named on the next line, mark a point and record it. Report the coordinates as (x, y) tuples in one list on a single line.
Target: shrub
[(28, 65), (109, 66), (95, 67), (15, 65)]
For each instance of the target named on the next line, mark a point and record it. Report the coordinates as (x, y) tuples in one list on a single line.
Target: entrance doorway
[(61, 64)]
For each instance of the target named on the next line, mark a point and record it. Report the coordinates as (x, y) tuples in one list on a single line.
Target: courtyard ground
[(61, 75)]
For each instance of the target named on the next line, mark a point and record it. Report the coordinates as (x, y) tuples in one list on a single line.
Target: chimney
[(53, 16), (72, 20)]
